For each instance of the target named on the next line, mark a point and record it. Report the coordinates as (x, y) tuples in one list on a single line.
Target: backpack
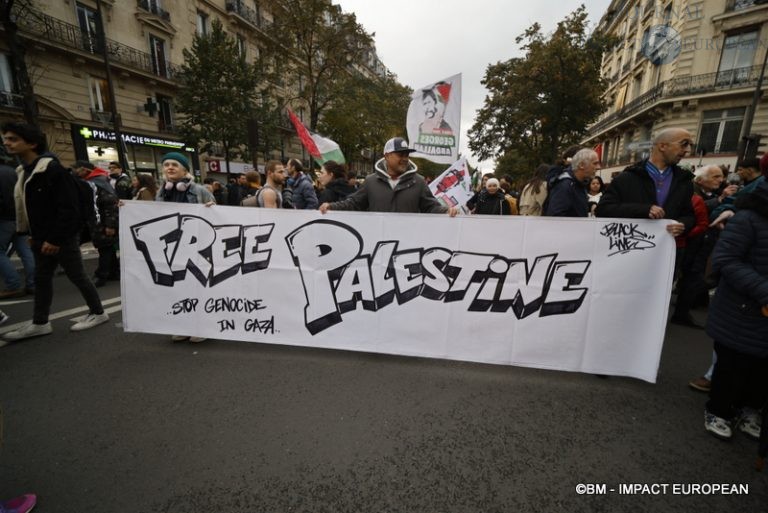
[(89, 212)]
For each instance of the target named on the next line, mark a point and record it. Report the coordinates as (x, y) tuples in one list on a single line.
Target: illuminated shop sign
[(99, 134)]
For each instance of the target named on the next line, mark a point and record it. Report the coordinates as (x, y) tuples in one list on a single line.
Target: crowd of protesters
[(719, 221)]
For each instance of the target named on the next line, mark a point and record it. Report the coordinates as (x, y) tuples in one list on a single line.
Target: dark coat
[(337, 189), (7, 184), (632, 194), (567, 197), (411, 194), (106, 202), (122, 185), (491, 205), (304, 196), (741, 259), (47, 202)]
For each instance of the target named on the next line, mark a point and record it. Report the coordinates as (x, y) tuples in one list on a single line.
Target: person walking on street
[(47, 205), (9, 237)]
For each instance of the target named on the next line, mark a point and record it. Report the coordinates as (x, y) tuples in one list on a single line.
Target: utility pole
[(111, 85), (750, 114)]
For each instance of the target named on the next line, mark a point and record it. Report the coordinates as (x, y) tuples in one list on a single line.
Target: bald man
[(656, 188)]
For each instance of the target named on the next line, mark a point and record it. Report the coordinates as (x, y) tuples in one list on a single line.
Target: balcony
[(684, 86), (167, 128), (44, 27), (152, 7), (250, 16), (101, 116), (739, 5), (11, 100)]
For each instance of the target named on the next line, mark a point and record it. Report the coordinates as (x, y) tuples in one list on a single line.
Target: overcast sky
[(423, 41)]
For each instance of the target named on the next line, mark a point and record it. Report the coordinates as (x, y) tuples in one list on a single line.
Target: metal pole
[(750, 114), (110, 84)]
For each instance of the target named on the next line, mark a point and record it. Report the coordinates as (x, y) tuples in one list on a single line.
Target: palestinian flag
[(320, 148)]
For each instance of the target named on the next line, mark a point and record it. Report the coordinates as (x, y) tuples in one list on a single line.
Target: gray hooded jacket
[(410, 194)]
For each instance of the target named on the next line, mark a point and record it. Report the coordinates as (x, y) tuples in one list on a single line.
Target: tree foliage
[(543, 101), (372, 111), (323, 42), (218, 91)]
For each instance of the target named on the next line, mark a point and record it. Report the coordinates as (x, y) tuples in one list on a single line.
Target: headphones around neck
[(181, 186)]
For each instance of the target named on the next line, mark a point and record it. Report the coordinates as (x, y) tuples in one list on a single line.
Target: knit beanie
[(178, 157)]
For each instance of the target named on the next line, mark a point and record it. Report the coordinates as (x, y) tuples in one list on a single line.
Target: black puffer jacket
[(336, 190), (741, 258), (632, 193)]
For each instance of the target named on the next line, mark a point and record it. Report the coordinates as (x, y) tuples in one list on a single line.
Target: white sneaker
[(90, 321), (30, 330), (718, 426), (197, 340), (179, 338), (750, 423)]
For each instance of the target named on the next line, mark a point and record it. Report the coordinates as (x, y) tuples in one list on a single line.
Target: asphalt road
[(104, 421)]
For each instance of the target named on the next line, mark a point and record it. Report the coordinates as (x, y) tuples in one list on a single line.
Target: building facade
[(144, 45), (681, 63)]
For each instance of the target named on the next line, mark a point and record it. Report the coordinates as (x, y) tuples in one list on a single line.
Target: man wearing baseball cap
[(393, 187)]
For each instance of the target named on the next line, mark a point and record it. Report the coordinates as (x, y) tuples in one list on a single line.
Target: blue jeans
[(70, 259), (20, 243)]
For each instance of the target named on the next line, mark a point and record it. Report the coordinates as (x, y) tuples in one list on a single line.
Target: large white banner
[(588, 295), (453, 187), (434, 120)]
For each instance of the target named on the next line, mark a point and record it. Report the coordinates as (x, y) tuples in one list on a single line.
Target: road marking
[(16, 302), (64, 313), (106, 310)]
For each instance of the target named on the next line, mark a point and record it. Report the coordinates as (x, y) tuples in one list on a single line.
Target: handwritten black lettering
[(626, 237)]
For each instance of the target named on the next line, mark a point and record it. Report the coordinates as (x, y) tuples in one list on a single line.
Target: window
[(86, 19), (165, 113), (6, 82), (7, 98), (99, 92), (720, 130), (621, 97), (637, 86), (241, 45), (157, 52), (737, 58), (202, 24)]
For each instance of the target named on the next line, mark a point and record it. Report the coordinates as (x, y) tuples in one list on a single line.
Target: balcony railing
[(250, 15), (12, 100), (72, 36), (152, 7), (101, 116), (738, 5), (695, 84)]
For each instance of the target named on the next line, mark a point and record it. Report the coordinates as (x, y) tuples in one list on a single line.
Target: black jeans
[(71, 260), (739, 380), (108, 266)]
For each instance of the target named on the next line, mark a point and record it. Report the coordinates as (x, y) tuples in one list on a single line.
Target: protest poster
[(434, 120), (453, 187), (587, 295)]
